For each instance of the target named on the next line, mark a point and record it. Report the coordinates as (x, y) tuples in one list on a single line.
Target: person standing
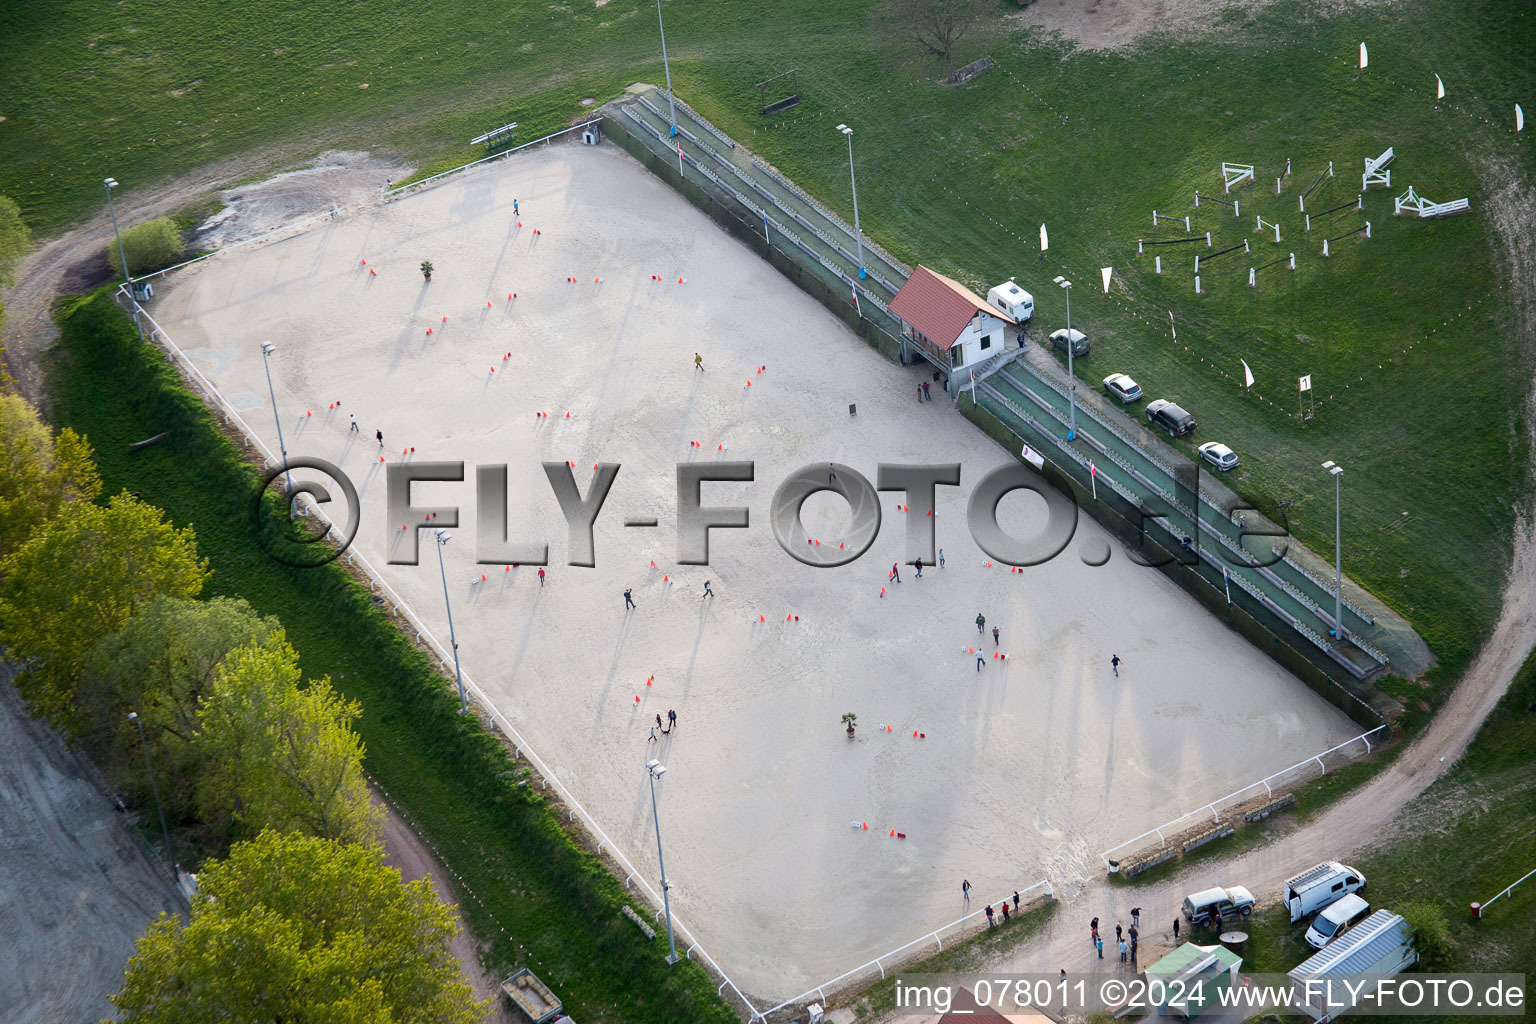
[(1135, 917), (1124, 949), (965, 889), (354, 429), (1098, 944), (996, 634), (1175, 929), (708, 592), (541, 577), (1114, 663), (514, 208), (698, 362), (919, 563), (671, 720), (1015, 901), (1005, 911), (380, 435), (1093, 929), (990, 922), (927, 395), (1119, 932), (919, 393), (941, 558), (831, 473), (629, 601), (981, 623)]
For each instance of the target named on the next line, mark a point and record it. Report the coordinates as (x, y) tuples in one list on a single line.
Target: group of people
[(1125, 938), (665, 729), (992, 915)]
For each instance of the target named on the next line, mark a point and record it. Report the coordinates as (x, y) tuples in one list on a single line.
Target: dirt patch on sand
[(1118, 24)]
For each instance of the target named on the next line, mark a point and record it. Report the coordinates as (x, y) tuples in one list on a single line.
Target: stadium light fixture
[(653, 771), (858, 234), (1338, 547), (1066, 286), (443, 537)]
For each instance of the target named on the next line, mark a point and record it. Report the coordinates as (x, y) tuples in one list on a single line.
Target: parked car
[(1336, 919), (1079, 341), (1122, 387), (1318, 886), (1234, 901), (1163, 413), (1219, 455)]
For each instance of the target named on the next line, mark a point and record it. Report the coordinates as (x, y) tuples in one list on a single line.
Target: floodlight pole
[(443, 537), (858, 234), (1338, 548), (110, 184), (671, 103), (651, 772), (267, 348), (1071, 375), (165, 832)]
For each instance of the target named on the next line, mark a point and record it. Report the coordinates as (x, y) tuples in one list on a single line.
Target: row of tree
[(100, 608)]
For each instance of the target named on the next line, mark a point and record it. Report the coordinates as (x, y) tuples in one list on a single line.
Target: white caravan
[(1012, 300), (1318, 886)]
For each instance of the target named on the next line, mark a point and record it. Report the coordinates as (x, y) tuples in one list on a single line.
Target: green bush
[(1431, 931), (152, 245)]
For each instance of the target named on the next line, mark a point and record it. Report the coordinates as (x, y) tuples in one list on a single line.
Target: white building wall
[(969, 341)]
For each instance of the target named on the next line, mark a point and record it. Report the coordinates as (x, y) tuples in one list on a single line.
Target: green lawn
[(557, 903)]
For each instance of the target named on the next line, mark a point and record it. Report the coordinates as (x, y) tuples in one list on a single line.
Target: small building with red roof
[(950, 324)]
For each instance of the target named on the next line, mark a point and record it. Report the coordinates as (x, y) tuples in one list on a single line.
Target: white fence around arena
[(1239, 796), (400, 190), (375, 579)]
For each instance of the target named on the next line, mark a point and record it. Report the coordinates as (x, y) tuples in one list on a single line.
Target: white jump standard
[(1411, 200), (1376, 172)]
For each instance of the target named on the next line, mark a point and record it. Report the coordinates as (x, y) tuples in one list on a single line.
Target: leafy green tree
[(15, 239), (1431, 932), (150, 246), (294, 928), (161, 664), (39, 473), (79, 577), (280, 755)]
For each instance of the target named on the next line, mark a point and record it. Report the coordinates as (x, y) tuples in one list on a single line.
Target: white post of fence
[(1197, 264), (1277, 232), (1197, 200), (1251, 277), (1245, 246), (1277, 186), (1159, 261), (1309, 221), (1287, 166), (1197, 284), (1330, 168), (1258, 223), (1186, 223), (1138, 247), (1360, 201), (1207, 239), (1301, 203), (1367, 229), (1154, 218), (1293, 261), (1325, 247), (1237, 207)]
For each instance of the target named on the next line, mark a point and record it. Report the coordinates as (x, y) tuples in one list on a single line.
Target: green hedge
[(558, 904)]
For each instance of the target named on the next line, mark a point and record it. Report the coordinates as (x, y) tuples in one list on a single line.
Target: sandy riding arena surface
[(1027, 767)]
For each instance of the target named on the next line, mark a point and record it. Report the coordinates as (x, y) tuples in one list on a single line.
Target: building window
[(986, 342)]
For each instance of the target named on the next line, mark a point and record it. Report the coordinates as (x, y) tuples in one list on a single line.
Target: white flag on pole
[(1045, 243), (1247, 374), (1172, 328), (1519, 119), (1306, 383), (1105, 272), (1364, 58), (1439, 88)]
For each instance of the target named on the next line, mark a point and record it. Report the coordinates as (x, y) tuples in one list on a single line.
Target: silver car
[(1219, 455), (1079, 341), (1122, 387)]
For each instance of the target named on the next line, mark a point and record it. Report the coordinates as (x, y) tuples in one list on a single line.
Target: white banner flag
[(1247, 374), (1032, 457), (1306, 383), (1364, 59), (1045, 243), (1439, 88), (1105, 272), (1519, 119)]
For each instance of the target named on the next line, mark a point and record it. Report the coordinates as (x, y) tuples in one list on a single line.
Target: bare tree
[(931, 28)]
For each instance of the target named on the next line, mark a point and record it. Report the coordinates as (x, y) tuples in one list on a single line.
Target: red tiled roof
[(938, 307)]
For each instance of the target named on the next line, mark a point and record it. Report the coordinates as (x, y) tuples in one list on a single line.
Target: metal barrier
[(400, 190), (1211, 808), (522, 748), (878, 962), (1485, 906)]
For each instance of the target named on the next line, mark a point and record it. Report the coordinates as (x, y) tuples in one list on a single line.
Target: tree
[(280, 755), (293, 928), (1431, 931), (79, 577), (931, 28), (161, 664), (150, 246), (39, 473), (15, 239)]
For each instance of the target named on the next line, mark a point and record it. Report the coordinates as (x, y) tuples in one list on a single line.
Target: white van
[(1234, 901), (1318, 886), (1012, 300), (1337, 918)]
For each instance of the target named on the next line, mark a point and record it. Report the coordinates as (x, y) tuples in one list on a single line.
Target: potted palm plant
[(849, 719), (426, 269)]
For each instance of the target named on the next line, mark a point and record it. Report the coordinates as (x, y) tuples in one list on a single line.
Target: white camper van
[(1012, 300), (1318, 886)]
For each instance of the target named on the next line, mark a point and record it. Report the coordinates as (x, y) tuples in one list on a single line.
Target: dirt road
[(77, 888)]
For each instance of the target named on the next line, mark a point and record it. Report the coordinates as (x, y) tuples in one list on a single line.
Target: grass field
[(541, 901), (961, 178)]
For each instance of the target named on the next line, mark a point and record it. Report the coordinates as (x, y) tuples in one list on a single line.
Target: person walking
[(1119, 932), (965, 889), (1093, 929), (1175, 929), (990, 922), (708, 592), (919, 563), (1135, 917), (698, 362), (354, 429), (981, 623), (941, 558), (1098, 944), (1124, 950), (1114, 663), (1015, 901), (629, 601), (831, 473), (895, 573), (653, 738), (981, 659), (996, 634), (380, 435), (514, 208), (658, 720), (927, 395), (541, 577), (671, 720)]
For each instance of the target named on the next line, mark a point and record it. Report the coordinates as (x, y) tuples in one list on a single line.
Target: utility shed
[(1381, 944), (1191, 976)]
